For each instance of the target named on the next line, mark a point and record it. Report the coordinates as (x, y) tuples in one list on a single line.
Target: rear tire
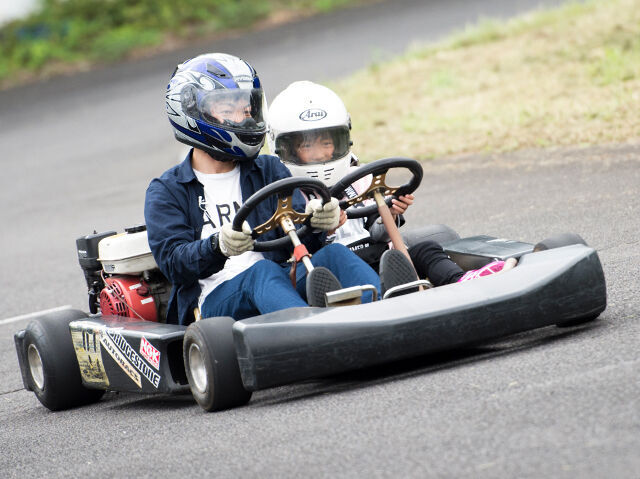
[(211, 363), (52, 367)]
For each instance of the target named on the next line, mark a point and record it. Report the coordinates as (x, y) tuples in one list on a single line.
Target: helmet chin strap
[(216, 155), (220, 156)]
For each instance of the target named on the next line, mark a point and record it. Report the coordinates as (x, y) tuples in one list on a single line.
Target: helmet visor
[(314, 146), (237, 110)]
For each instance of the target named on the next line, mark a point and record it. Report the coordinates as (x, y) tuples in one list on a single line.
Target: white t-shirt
[(352, 230), (222, 199)]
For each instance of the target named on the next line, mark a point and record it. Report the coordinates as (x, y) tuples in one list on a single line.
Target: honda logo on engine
[(312, 114)]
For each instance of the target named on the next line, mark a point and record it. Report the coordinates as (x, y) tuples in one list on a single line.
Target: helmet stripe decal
[(190, 133)]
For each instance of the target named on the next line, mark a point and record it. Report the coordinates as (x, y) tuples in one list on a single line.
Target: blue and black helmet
[(215, 102)]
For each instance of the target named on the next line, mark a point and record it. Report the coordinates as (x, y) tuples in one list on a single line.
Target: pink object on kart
[(486, 270)]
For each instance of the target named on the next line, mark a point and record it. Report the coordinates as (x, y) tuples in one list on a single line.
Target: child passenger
[(310, 132)]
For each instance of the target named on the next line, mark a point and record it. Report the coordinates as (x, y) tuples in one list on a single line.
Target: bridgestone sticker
[(119, 358), (127, 358)]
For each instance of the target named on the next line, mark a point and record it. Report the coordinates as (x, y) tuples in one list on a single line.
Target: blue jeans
[(265, 287), (347, 266)]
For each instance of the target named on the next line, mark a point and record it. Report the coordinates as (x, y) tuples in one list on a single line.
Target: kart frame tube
[(546, 288)]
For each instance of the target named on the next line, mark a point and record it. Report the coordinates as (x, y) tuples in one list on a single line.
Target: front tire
[(52, 366), (211, 364), (559, 241)]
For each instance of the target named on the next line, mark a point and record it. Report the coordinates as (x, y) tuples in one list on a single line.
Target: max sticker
[(150, 353)]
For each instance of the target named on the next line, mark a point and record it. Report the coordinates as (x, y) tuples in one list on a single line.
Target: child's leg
[(432, 262)]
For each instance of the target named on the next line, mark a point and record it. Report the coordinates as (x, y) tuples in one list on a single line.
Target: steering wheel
[(285, 216), (378, 169)]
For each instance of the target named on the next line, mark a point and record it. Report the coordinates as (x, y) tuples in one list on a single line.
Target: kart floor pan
[(546, 288)]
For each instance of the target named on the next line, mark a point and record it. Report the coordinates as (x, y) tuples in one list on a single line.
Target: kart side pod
[(550, 287)]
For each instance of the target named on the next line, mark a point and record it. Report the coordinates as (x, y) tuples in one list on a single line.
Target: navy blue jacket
[(175, 221)]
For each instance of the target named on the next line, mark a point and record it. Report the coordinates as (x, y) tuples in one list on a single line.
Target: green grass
[(68, 35), (567, 76)]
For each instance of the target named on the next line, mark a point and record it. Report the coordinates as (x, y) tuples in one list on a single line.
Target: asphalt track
[(77, 154)]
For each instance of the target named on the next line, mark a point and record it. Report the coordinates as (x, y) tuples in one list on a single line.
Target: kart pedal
[(395, 270), (320, 281)]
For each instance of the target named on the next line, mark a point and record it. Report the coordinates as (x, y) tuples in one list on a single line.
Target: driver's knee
[(350, 269), (266, 271), (334, 255), (335, 250), (268, 279)]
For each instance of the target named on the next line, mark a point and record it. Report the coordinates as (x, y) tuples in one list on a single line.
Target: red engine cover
[(126, 296)]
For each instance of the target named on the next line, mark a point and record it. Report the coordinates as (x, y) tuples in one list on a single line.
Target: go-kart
[(70, 358)]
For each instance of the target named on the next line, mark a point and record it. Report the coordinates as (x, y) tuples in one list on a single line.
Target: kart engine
[(122, 277)]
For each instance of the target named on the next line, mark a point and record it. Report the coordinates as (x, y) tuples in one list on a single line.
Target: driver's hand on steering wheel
[(233, 243), (343, 220), (400, 205), (325, 217)]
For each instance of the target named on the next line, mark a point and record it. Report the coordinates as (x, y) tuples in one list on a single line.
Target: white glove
[(233, 243), (324, 217)]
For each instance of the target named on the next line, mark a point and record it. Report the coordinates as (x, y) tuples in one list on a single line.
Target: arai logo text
[(312, 114)]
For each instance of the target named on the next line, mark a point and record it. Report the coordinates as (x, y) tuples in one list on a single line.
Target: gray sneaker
[(396, 269), (319, 282)]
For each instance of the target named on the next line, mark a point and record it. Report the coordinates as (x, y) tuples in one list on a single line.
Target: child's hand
[(399, 206)]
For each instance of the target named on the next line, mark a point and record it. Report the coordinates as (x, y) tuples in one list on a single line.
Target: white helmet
[(309, 131)]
